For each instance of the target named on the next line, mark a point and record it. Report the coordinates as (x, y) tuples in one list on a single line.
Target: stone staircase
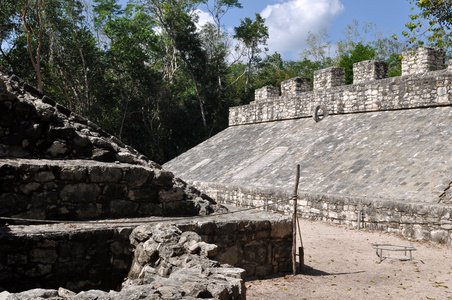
[(72, 194)]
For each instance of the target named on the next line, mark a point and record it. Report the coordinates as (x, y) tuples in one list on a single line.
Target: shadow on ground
[(308, 271)]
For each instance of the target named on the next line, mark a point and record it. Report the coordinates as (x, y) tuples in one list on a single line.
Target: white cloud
[(203, 18), (290, 22)]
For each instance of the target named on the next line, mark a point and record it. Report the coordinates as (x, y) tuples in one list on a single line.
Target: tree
[(357, 32), (73, 61), (252, 34), (438, 10), (318, 46), (34, 25), (146, 73), (175, 19), (133, 103), (365, 41), (395, 65), (10, 28), (359, 53), (216, 41), (438, 15)]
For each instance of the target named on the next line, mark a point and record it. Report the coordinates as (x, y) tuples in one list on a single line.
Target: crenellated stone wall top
[(425, 84), (425, 59), (369, 70)]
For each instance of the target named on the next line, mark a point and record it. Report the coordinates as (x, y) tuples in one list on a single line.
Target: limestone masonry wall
[(72, 257), (86, 256), (425, 59), (422, 86), (328, 78), (415, 220), (369, 70), (90, 190)]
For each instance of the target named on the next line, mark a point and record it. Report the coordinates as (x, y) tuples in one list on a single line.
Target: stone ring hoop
[(319, 113)]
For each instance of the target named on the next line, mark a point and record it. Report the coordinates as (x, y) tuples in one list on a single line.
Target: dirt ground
[(340, 263)]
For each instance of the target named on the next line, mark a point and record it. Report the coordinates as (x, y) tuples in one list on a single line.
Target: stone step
[(91, 190), (98, 255)]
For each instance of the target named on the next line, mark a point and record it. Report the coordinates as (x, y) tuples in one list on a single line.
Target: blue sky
[(290, 21)]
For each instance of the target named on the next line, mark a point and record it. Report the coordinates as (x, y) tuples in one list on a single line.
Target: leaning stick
[(294, 224), (300, 249)]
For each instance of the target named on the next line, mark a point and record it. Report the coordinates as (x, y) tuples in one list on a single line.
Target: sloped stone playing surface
[(398, 155)]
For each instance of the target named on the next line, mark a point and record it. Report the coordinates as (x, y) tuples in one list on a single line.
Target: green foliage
[(9, 20), (252, 34), (431, 25), (148, 75), (438, 11), (318, 47), (364, 41), (359, 53), (395, 65), (273, 69)]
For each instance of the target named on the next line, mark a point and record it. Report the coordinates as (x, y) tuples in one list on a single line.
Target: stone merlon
[(425, 84)]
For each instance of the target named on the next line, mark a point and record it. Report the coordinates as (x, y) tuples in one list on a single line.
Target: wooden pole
[(294, 223), (300, 249)]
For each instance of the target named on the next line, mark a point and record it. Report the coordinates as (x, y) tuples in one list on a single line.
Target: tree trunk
[(36, 63)]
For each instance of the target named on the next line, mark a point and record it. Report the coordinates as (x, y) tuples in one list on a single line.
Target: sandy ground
[(340, 263)]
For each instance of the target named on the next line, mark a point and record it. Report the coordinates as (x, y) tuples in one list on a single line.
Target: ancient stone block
[(114, 191), (43, 255), (16, 259), (229, 255), (175, 194), (369, 70), (58, 148), (440, 236), (136, 177), (81, 192), (266, 93), (424, 59), (44, 176), (30, 187), (104, 173), (143, 193), (163, 178), (88, 211), (103, 155), (280, 229), (263, 270), (329, 77), (81, 140), (74, 173), (120, 208), (44, 111), (295, 86)]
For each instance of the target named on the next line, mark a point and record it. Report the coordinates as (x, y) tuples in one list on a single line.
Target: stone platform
[(98, 255), (89, 190)]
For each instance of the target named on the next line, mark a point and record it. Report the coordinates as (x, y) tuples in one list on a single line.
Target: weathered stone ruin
[(168, 259), (71, 195), (382, 158), (168, 264)]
